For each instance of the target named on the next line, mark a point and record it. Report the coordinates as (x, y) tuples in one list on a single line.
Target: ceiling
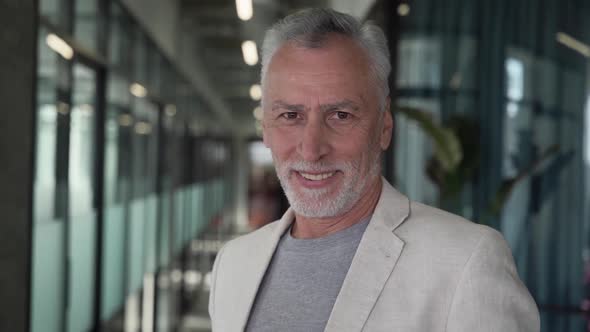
[(217, 34)]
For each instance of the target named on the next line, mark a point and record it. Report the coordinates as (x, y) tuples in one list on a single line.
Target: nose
[(314, 143)]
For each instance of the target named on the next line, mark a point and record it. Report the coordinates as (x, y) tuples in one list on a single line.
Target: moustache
[(317, 167)]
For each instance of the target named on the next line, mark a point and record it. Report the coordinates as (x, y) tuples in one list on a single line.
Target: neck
[(309, 228)]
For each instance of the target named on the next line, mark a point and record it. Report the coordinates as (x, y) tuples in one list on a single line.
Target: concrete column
[(18, 36)]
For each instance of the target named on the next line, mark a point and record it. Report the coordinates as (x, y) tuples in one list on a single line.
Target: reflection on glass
[(515, 79), (517, 114), (46, 133), (82, 222), (81, 167), (142, 222), (419, 62), (48, 252), (116, 187), (587, 132)]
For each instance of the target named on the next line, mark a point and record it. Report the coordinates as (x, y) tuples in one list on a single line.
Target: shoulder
[(248, 239), (246, 245), (430, 227), (426, 226)]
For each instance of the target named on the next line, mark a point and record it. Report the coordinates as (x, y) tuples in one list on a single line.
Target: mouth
[(317, 176), (316, 180)]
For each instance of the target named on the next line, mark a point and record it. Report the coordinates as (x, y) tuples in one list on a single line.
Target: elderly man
[(352, 253)]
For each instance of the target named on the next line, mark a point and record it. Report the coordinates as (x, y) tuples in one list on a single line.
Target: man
[(352, 253)]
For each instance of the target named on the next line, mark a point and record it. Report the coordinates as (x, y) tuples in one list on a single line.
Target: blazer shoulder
[(244, 243), (440, 228)]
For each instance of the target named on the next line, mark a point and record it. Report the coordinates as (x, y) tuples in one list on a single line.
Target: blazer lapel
[(372, 264), (258, 264)]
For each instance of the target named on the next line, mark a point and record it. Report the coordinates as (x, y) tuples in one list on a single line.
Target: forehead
[(338, 55)]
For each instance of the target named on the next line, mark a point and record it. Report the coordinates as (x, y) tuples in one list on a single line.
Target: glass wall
[(506, 86), (120, 188), (49, 212), (82, 214)]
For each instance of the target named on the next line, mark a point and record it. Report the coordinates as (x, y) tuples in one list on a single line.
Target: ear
[(387, 129)]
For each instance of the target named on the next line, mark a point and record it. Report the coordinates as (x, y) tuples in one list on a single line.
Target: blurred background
[(130, 148)]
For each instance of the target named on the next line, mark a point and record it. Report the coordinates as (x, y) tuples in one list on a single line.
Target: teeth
[(316, 177)]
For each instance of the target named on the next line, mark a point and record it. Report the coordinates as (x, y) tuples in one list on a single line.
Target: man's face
[(323, 125)]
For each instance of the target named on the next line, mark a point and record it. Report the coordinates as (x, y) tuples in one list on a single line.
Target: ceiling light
[(403, 9), (59, 46), (258, 127), (512, 109), (192, 278), (208, 280), (258, 113), (249, 52), (244, 9), (574, 44), (143, 128), (170, 110), (63, 108), (456, 80), (86, 109), (255, 92), (176, 276), (138, 90), (125, 120)]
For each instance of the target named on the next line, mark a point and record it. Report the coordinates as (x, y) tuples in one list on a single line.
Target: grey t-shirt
[(303, 280)]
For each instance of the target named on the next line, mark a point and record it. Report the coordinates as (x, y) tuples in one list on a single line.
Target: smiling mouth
[(316, 177)]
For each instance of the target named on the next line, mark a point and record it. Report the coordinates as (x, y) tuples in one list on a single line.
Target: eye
[(289, 115), (342, 115)]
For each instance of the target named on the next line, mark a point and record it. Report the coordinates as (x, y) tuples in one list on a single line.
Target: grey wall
[(17, 57)]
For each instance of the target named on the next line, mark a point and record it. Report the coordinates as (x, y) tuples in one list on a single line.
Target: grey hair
[(309, 28)]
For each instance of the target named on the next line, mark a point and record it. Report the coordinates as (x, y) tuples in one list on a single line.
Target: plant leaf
[(448, 150)]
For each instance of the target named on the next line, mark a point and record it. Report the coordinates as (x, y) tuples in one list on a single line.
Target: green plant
[(456, 158)]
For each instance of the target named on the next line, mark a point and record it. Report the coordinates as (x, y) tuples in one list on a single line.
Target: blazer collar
[(258, 263), (371, 266)]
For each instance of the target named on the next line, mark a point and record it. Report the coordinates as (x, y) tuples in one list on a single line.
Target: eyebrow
[(344, 104), (279, 104)]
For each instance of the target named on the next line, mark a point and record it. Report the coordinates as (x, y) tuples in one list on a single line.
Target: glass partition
[(82, 216), (110, 239), (49, 214)]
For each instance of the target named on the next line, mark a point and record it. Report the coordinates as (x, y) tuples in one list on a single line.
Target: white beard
[(314, 203)]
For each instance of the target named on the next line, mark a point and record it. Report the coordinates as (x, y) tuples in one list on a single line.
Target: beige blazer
[(417, 268)]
